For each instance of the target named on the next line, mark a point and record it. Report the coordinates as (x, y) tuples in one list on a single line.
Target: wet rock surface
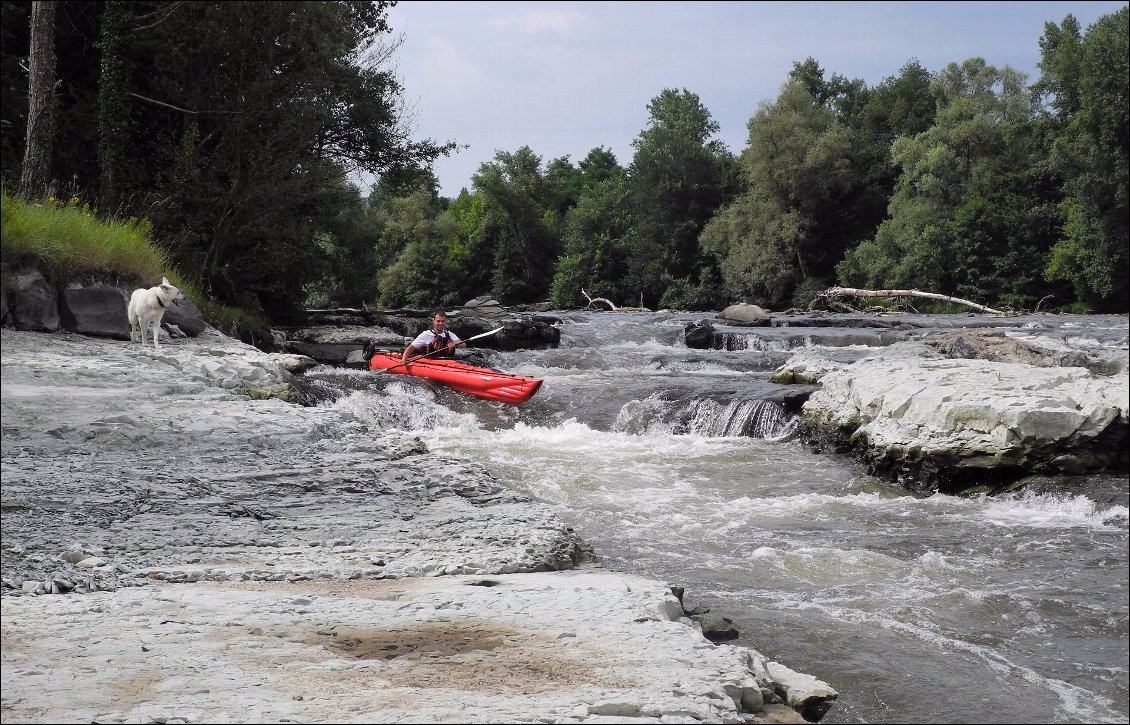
[(166, 467), (226, 555), (333, 334), (972, 409)]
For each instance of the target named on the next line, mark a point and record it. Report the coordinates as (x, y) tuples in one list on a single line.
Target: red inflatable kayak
[(470, 379)]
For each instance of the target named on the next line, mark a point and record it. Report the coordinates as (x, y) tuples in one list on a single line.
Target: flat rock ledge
[(575, 646), (227, 557), (937, 423)]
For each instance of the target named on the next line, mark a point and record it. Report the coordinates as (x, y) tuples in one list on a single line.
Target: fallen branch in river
[(611, 305), (852, 292), (598, 299)]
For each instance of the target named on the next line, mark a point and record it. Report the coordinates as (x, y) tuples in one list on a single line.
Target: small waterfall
[(731, 341), (753, 418), (639, 417), (325, 384), (705, 417)]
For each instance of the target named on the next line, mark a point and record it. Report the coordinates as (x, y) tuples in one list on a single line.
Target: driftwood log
[(852, 292), (610, 304)]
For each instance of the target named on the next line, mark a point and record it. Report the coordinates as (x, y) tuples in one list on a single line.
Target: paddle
[(435, 352)]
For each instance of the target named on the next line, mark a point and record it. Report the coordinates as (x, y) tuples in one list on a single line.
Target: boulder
[(336, 344), (744, 314), (715, 627), (97, 309), (185, 315), (699, 335), (33, 302), (811, 697), (356, 359), (296, 364), (481, 301), (937, 423), (1018, 347), (806, 367), (525, 332), (352, 335)]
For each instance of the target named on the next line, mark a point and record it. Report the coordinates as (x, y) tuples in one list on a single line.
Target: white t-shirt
[(426, 338)]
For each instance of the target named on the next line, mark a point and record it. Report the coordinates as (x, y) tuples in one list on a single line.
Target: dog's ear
[(165, 282)]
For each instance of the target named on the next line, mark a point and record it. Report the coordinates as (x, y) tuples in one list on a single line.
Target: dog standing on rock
[(147, 307)]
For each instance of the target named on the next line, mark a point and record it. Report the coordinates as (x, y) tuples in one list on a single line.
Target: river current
[(675, 464)]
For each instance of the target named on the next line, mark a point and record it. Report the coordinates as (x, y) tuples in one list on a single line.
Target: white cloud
[(537, 20), (564, 78), (444, 63)]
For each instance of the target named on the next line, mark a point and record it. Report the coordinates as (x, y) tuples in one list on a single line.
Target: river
[(672, 463)]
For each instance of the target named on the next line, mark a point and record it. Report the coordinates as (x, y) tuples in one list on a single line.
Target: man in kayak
[(437, 338)]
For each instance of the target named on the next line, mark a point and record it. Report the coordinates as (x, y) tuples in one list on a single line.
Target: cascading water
[(678, 464)]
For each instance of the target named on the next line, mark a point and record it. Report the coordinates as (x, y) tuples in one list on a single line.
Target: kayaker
[(437, 338)]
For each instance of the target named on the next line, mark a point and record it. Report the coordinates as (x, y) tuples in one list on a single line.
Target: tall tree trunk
[(34, 175), (113, 106)]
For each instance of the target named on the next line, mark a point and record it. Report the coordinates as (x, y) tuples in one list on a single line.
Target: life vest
[(439, 342)]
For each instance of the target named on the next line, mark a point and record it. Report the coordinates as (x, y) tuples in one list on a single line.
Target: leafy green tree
[(967, 209), (287, 111), (1061, 55), (787, 228), (563, 186), (471, 253), (596, 246), (232, 125), (594, 255), (598, 165), (519, 225), (1086, 78), (425, 272), (678, 181)]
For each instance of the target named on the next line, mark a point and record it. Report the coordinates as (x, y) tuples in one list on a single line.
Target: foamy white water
[(940, 609)]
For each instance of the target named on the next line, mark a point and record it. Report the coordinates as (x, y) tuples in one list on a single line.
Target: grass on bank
[(65, 240)]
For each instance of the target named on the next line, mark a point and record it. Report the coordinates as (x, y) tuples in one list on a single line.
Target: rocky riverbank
[(973, 410), (217, 553)]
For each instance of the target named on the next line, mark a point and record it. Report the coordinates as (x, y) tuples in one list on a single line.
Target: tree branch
[(851, 292), (161, 103), (165, 14), (597, 299)]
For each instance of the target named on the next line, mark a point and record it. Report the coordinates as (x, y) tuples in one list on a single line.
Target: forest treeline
[(234, 126)]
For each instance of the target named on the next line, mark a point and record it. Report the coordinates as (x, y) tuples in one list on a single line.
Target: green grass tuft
[(66, 240)]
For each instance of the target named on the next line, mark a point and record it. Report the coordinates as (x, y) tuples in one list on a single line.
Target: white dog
[(147, 307)]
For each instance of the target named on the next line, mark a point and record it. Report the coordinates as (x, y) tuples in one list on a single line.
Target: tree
[(34, 174), (518, 225), (677, 180), (788, 229), (232, 126), (425, 272), (1087, 81), (262, 108), (1060, 59), (967, 205), (597, 249), (598, 165)]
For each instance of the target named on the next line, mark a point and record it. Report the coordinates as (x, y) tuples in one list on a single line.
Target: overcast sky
[(563, 78)]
